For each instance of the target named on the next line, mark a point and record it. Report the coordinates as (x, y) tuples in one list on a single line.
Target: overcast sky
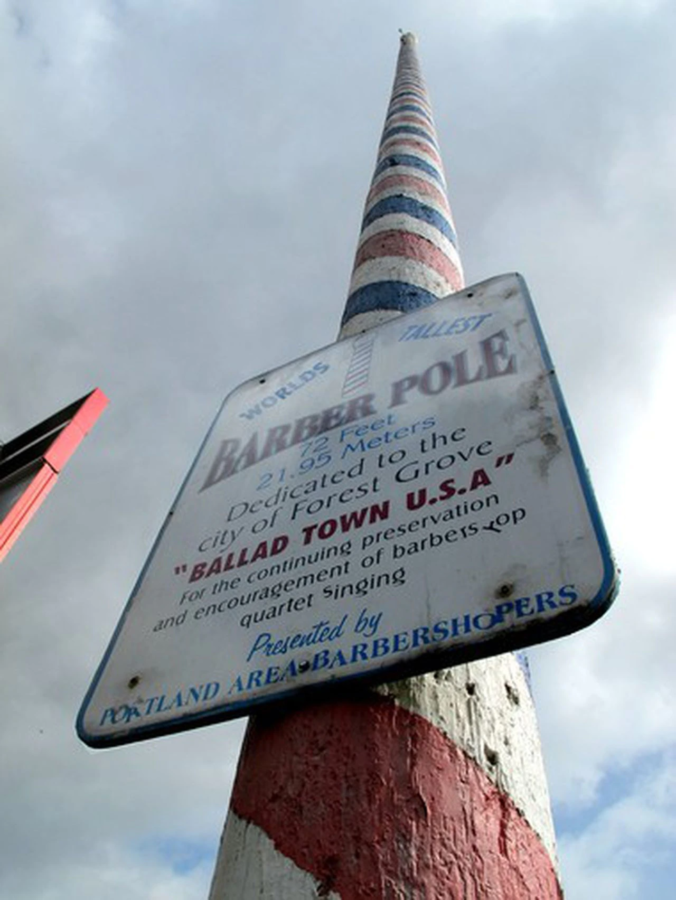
[(182, 185)]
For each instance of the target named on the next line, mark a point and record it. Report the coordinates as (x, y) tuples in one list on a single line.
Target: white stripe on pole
[(251, 867)]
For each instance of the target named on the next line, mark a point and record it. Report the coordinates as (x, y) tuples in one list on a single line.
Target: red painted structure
[(30, 464)]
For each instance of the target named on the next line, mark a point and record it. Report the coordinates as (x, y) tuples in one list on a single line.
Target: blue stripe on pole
[(411, 207), (410, 107), (396, 295), (522, 659), (409, 129), (418, 94), (405, 159)]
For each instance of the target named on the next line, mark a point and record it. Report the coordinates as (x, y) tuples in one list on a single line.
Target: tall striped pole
[(407, 254), (429, 788)]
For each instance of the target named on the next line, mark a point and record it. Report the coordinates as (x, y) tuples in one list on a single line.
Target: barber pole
[(432, 787)]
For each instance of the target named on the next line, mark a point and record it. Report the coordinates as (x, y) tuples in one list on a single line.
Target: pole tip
[(408, 38)]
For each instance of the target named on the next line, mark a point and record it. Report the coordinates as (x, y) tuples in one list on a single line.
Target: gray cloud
[(182, 195)]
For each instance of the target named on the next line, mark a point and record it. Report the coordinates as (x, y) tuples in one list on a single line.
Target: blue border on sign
[(608, 588), (459, 653)]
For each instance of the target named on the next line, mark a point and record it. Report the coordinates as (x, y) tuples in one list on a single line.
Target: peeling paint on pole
[(406, 795)]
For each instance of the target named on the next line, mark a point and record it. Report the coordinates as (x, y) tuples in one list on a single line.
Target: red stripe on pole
[(416, 185), (411, 246), (438, 826), (419, 146), (400, 118)]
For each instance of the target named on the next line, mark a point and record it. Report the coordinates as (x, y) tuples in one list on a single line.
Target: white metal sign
[(402, 500)]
